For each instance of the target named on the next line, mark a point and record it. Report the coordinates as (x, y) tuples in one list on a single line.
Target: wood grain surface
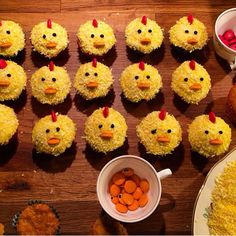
[(69, 182)]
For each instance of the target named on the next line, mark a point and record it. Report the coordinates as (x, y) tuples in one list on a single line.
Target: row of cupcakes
[(96, 37), (106, 130), (51, 84)]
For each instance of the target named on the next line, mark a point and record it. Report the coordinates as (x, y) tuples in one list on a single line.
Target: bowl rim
[(157, 178), (217, 36)]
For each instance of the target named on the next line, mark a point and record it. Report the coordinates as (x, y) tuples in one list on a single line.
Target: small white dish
[(145, 171)]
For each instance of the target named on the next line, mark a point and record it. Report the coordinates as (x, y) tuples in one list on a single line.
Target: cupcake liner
[(32, 202)]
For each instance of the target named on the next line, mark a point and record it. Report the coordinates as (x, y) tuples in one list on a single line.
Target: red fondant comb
[(51, 66), (144, 20), (141, 65), (190, 19), (94, 63), (49, 24), (212, 117), (3, 64), (162, 114), (105, 112), (95, 23), (192, 64), (54, 116)]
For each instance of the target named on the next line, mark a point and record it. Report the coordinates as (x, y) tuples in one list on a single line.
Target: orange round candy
[(114, 190), (118, 178), (115, 200), (134, 206), (128, 198), (143, 200), (144, 185), (137, 193), (130, 186), (121, 199), (128, 172), (121, 208)]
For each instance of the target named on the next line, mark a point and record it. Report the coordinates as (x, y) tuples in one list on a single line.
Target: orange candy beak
[(143, 85), (51, 44), (99, 44), (4, 83), (192, 41), (106, 135), (92, 84), (53, 141), (5, 44), (50, 91), (163, 139), (195, 87), (145, 41), (216, 141)]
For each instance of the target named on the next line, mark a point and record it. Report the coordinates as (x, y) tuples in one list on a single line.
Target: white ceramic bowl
[(145, 171)]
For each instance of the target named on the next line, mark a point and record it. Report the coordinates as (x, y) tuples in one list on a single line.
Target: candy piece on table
[(229, 34)]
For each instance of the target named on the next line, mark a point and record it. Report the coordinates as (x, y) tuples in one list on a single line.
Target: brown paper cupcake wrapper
[(31, 202)]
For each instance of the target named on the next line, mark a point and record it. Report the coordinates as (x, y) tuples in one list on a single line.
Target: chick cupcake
[(209, 135), (49, 38), (53, 134), (189, 34), (93, 80), (159, 132), (12, 80), (144, 35), (140, 81), (8, 124), (12, 38), (191, 82), (96, 37), (50, 85), (105, 130)]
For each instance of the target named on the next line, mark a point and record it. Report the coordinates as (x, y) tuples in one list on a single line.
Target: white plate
[(203, 201)]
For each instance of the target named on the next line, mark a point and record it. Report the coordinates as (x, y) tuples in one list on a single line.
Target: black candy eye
[(112, 126), (96, 74), (54, 34), (206, 132), (57, 129), (102, 35), (186, 79), (169, 131), (153, 131), (186, 31), (220, 132), (201, 79), (139, 31), (44, 36), (54, 79), (8, 75), (100, 126), (195, 32), (86, 74), (148, 76), (92, 35), (150, 31), (43, 79), (8, 31), (47, 130), (136, 77)]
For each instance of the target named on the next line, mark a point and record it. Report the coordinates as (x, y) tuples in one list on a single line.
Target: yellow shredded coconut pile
[(222, 218), (11, 33), (132, 76), (152, 127), (88, 35), (96, 124), (45, 129), (41, 35), (136, 31), (179, 37), (57, 79), (197, 76), (8, 124), (201, 131), (100, 74), (16, 76)]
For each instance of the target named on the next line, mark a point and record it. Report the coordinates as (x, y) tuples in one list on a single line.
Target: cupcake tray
[(68, 182)]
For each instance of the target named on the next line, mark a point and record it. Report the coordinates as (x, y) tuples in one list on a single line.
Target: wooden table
[(69, 182)]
